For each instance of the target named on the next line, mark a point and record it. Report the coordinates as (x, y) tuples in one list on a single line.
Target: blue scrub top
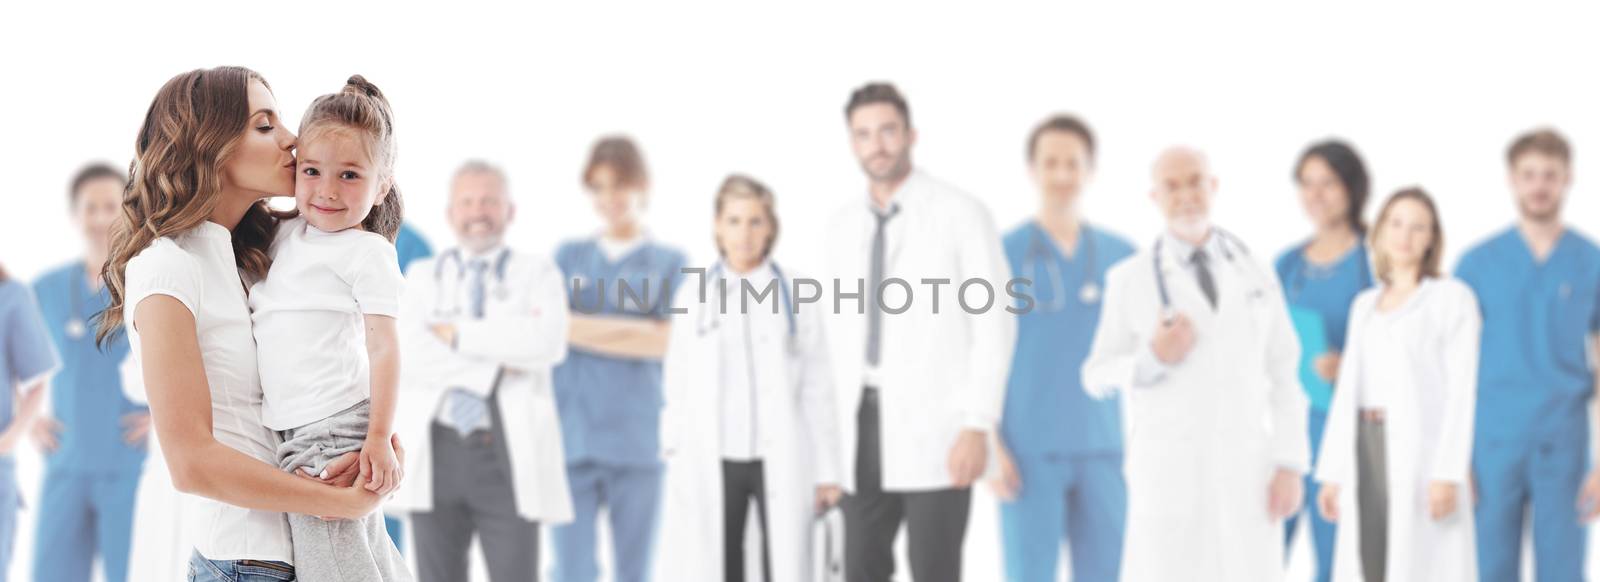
[(1534, 380), (25, 351), (611, 407), (1326, 290), (410, 245), (86, 394), (1047, 411)]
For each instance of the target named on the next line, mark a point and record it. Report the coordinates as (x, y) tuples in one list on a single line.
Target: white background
[(1429, 94)]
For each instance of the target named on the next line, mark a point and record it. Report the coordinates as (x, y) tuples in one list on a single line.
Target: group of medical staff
[(1168, 411)]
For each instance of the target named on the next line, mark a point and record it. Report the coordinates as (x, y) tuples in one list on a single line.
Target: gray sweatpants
[(338, 550)]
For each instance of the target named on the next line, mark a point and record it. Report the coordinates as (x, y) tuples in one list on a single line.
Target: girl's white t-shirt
[(309, 330), (197, 268)]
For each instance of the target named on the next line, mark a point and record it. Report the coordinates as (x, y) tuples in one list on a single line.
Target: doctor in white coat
[(481, 326), (749, 411), (1397, 455), (1195, 331)]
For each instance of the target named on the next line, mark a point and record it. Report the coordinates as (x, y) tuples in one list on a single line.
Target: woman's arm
[(623, 337), (180, 403)]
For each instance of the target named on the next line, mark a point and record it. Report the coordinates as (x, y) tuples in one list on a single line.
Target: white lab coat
[(1428, 430), (521, 337), (1205, 438), (795, 426), (939, 373)]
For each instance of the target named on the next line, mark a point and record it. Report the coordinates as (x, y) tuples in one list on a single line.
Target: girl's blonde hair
[(362, 108), (190, 130), (742, 186), (1430, 257)]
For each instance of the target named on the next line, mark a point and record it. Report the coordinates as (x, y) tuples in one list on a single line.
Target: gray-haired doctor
[(481, 326), (1196, 332)]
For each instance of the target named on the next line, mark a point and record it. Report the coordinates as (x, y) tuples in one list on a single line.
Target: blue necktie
[(467, 411)]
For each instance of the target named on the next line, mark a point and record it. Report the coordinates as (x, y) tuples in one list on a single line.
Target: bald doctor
[(1195, 331)]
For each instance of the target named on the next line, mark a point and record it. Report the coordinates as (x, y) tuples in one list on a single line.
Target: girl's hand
[(1441, 499), (1007, 483), (381, 464)]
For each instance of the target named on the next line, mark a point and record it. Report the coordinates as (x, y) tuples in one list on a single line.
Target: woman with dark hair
[(1320, 278), (194, 224)]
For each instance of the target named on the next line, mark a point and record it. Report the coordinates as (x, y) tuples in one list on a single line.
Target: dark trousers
[(936, 521), (472, 494), (741, 482), (1372, 498)]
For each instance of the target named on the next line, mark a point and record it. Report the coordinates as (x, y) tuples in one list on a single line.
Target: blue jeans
[(203, 570)]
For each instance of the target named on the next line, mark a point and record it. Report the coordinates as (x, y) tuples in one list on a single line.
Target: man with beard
[(1195, 334), (932, 382), (1537, 284)]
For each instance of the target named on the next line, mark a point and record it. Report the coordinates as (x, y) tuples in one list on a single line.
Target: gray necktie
[(1202, 271), (874, 279), (467, 411)]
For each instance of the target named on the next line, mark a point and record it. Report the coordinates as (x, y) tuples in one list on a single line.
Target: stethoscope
[(710, 320), (1089, 293), (1224, 240), (76, 326), (500, 291)]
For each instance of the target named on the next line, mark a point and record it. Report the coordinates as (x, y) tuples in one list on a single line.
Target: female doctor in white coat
[(749, 408), (1396, 456)]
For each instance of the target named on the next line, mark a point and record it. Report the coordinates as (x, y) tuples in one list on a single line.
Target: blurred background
[(1430, 95)]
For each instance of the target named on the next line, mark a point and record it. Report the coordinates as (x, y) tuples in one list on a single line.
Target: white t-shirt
[(310, 336), (197, 268)]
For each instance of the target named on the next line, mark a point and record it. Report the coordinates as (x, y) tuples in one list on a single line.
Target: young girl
[(1397, 453), (325, 329)]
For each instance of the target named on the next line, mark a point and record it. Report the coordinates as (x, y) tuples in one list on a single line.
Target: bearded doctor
[(1195, 331)]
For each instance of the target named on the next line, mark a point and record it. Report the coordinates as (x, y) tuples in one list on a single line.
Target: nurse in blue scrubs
[(608, 390), (1320, 278), (1537, 283), (1060, 459), (94, 439), (26, 362), (409, 245)]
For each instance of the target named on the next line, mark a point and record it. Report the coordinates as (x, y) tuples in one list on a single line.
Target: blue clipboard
[(1313, 334)]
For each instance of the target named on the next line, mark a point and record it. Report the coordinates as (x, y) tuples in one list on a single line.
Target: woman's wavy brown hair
[(176, 174), (362, 108)]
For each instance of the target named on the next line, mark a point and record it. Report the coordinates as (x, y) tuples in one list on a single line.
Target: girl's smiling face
[(336, 183)]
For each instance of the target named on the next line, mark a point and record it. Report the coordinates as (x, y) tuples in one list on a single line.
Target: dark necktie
[(874, 279), (1202, 271)]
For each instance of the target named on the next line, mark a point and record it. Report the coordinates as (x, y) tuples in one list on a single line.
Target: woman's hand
[(380, 463), (828, 496), (1327, 367), (1007, 482), (1441, 499), (1328, 502), (342, 472)]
